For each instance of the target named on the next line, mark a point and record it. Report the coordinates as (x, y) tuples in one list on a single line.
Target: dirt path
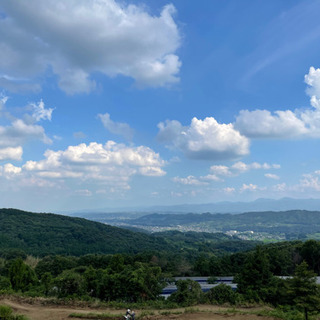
[(38, 311)]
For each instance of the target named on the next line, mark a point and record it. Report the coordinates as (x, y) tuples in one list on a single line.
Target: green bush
[(6, 313), (5, 283), (221, 294), (188, 293)]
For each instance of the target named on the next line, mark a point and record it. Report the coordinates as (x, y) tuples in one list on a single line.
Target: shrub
[(221, 294), (6, 313), (188, 293)]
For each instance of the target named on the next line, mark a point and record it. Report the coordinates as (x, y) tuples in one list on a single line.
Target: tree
[(221, 294), (310, 252), (188, 293), (70, 283), (254, 280), (21, 276), (55, 265), (303, 289), (5, 283), (144, 282), (46, 282), (201, 266)]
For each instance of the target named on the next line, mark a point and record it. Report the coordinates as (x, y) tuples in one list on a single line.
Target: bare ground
[(37, 310)]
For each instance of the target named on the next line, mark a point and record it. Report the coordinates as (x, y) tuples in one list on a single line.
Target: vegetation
[(129, 274), (42, 234), (6, 313), (294, 223)]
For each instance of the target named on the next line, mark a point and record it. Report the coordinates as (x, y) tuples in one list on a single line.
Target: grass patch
[(146, 314), (100, 316), (191, 310), (6, 313), (168, 313)]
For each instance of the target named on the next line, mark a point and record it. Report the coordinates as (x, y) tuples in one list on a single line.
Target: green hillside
[(43, 234)]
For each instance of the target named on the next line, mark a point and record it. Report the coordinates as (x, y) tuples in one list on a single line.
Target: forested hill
[(43, 234)]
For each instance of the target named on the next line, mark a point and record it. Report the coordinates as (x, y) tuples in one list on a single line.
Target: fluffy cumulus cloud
[(118, 128), (111, 164), (11, 153), (18, 132), (75, 39), (285, 124), (264, 124), (10, 172), (204, 139)]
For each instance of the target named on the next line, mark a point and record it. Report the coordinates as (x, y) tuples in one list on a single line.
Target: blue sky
[(130, 103)]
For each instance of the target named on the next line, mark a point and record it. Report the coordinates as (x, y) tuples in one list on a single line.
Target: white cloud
[(118, 128), (78, 38), (310, 182), (211, 177), (249, 187), (190, 180), (9, 168), (312, 79), (204, 139), (241, 167), (272, 176), (3, 100), (285, 124), (9, 171), (111, 164), (281, 187), (229, 190), (264, 124), (221, 170), (40, 112), (19, 132), (11, 153)]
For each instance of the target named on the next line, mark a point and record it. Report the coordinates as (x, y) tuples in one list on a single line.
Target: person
[(133, 315), (128, 314)]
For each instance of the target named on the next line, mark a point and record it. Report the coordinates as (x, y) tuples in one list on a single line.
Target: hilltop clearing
[(41, 310)]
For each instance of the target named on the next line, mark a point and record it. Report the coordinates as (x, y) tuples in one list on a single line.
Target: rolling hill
[(43, 234)]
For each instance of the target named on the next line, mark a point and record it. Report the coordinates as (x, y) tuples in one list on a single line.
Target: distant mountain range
[(261, 204), (283, 204)]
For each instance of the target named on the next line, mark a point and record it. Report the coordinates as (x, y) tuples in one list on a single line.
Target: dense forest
[(140, 277), (41, 234), (56, 256)]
